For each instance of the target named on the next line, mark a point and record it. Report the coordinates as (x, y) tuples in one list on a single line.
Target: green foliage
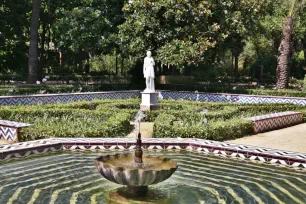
[(183, 31), (14, 15), (79, 119), (55, 89), (221, 121), (305, 83), (111, 118)]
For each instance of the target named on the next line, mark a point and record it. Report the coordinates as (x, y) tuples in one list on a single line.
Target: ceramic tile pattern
[(275, 121), (9, 134), (9, 130), (235, 98), (293, 159), (210, 97), (65, 98)]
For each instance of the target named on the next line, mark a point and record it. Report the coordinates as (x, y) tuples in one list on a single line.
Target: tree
[(286, 46), (33, 66), (88, 28), (183, 32), (14, 35)]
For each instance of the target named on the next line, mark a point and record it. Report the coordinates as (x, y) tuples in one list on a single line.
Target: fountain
[(136, 172)]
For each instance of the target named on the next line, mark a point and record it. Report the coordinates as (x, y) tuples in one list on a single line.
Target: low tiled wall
[(9, 130), (275, 121), (65, 98), (177, 95), (9, 133), (253, 153), (235, 98)]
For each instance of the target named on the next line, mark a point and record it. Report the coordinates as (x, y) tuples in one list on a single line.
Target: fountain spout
[(138, 151)]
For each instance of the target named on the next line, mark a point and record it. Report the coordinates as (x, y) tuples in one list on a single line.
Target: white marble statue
[(148, 72)]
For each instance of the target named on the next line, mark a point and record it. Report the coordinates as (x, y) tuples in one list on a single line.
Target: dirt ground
[(289, 139), (3, 142), (146, 130)]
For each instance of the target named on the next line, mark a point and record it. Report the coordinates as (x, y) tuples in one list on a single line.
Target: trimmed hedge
[(79, 119), (225, 122), (111, 118), (219, 130), (54, 89)]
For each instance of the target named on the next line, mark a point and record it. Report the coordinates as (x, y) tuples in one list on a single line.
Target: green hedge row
[(117, 125), (36, 89), (54, 89), (110, 118), (165, 126), (225, 122), (79, 119)]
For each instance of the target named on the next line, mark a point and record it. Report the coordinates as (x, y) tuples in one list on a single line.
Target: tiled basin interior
[(71, 177)]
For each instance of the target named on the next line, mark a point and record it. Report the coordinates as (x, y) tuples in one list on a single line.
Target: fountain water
[(137, 172)]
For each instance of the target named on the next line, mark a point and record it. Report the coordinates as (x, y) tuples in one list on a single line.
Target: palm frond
[(295, 6)]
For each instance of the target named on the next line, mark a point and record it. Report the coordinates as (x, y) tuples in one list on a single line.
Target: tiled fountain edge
[(267, 155)]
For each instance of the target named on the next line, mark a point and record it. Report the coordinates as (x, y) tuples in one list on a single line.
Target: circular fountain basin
[(122, 169)]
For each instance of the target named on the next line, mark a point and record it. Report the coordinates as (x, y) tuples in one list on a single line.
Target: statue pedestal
[(149, 101)]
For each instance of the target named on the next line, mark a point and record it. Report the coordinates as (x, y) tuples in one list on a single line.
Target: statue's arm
[(153, 62)]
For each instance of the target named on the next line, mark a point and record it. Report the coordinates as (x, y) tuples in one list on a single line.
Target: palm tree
[(33, 66), (285, 49)]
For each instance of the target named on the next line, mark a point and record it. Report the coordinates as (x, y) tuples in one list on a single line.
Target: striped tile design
[(9, 134), (210, 97), (66, 98), (235, 98), (293, 159), (275, 121), (9, 130)]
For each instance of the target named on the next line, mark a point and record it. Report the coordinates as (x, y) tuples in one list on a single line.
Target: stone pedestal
[(149, 101)]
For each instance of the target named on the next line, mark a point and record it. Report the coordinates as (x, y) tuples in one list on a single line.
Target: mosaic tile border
[(225, 97), (9, 130), (267, 155), (177, 95), (66, 98), (275, 121)]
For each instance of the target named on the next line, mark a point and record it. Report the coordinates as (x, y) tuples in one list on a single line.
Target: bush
[(164, 126), (281, 92), (304, 83), (226, 121), (111, 118), (79, 119), (54, 89)]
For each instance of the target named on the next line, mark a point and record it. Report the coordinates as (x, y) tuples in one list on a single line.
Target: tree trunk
[(116, 65), (304, 47), (236, 67), (122, 64), (284, 55), (42, 51), (33, 66), (233, 68)]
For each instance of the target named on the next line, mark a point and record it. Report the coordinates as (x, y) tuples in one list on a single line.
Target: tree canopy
[(232, 36)]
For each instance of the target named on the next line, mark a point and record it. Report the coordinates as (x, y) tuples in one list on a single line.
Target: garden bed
[(111, 118)]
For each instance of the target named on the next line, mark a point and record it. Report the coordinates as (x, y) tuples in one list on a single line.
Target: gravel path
[(289, 139), (146, 130)]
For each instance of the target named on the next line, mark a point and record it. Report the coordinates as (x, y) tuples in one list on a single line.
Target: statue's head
[(149, 54)]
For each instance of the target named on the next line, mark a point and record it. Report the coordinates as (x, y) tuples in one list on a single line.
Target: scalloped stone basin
[(121, 169)]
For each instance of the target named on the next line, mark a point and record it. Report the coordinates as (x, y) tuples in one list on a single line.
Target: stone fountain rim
[(123, 169)]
